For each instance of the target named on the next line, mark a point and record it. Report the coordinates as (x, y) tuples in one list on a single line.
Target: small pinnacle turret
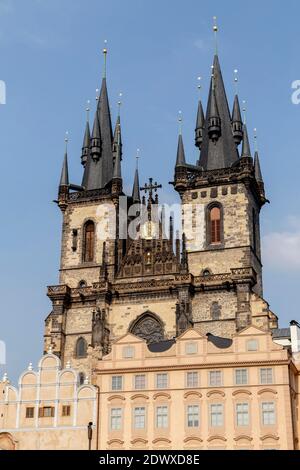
[(237, 123), (86, 145), (136, 197), (246, 151), (258, 173), (117, 132), (180, 152), (200, 124), (64, 179)]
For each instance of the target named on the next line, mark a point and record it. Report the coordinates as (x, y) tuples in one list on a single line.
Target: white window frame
[(192, 383), (255, 346), (128, 352), (116, 386), (241, 371), (116, 415), (162, 417), (215, 382), (139, 417), (136, 379), (162, 381), (242, 414), (265, 380), (268, 408), (193, 416), (216, 416), (191, 348)]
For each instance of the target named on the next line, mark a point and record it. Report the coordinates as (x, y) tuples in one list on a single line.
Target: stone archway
[(148, 327), (7, 442)]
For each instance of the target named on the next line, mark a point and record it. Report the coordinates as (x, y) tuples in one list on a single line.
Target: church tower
[(156, 283), (222, 197)]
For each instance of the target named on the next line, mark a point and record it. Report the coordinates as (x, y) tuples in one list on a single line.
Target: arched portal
[(148, 327)]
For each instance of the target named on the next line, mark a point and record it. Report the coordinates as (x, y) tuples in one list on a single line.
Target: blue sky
[(51, 62)]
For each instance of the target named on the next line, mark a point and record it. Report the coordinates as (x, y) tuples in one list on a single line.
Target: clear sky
[(51, 63)]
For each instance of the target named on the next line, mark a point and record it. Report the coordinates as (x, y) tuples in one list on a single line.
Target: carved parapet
[(242, 275), (58, 292), (60, 297)]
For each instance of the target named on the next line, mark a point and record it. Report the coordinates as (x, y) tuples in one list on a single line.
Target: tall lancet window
[(215, 216), (89, 242)]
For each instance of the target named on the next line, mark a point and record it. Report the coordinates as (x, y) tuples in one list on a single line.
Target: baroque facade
[(168, 322)]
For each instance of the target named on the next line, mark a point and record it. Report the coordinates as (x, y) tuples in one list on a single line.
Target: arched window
[(89, 242), (81, 348), (214, 221)]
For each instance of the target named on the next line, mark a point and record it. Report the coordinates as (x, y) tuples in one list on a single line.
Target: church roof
[(222, 153)]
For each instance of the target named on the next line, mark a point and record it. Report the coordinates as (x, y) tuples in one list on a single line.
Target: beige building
[(198, 393)]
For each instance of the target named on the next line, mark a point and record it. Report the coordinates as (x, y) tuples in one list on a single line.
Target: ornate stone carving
[(149, 328), (100, 332)]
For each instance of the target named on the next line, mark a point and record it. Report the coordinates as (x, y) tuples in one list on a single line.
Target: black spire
[(115, 140), (86, 145), (180, 152), (246, 151), (200, 124), (64, 179), (106, 135), (136, 187), (117, 166), (218, 147), (258, 173), (92, 177), (237, 123)]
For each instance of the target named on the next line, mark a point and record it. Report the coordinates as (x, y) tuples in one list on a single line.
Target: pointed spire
[(106, 134), (200, 124), (180, 150), (223, 152), (136, 184), (96, 139), (117, 166), (87, 139), (237, 122), (246, 151), (214, 121), (118, 131), (258, 173), (64, 179), (257, 168)]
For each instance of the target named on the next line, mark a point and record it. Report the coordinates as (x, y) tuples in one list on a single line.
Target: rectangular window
[(266, 376), (216, 415), (116, 382), (192, 379), (66, 410), (242, 414), (30, 412), (191, 348), (162, 381), (268, 414), (162, 417), (116, 419), (140, 382), (47, 412), (128, 352), (215, 378), (140, 418), (241, 377), (193, 416)]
